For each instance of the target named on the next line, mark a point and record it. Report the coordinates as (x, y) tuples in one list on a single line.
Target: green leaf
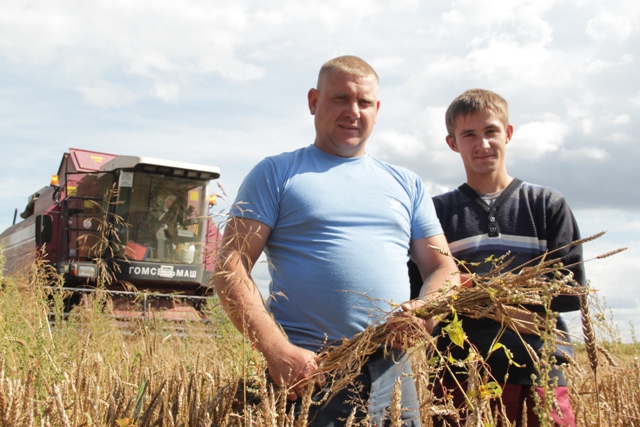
[(455, 331), (507, 352), (490, 390)]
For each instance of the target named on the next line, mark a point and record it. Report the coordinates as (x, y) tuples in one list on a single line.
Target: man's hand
[(289, 366), (405, 327), (294, 367), (438, 271)]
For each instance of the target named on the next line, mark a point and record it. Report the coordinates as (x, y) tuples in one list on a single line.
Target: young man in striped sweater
[(494, 213)]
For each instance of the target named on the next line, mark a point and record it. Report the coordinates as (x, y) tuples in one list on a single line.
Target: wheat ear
[(590, 343)]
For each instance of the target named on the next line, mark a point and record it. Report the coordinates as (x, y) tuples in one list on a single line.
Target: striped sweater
[(526, 220)]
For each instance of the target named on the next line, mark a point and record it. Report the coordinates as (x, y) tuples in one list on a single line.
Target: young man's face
[(481, 140), (345, 107)]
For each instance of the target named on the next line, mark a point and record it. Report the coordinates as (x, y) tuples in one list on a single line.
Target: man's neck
[(487, 184)]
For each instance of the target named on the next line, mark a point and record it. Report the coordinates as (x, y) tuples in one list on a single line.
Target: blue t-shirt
[(341, 229)]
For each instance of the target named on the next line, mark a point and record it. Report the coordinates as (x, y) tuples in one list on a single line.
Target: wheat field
[(87, 370)]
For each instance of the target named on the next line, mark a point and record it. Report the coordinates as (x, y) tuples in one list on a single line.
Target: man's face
[(345, 107), (481, 140)]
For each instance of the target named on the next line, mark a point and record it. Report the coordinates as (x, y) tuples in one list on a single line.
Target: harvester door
[(86, 212), (44, 229)]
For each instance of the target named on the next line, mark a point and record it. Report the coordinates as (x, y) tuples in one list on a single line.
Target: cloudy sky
[(225, 84)]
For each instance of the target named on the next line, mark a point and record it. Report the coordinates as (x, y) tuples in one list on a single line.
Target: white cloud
[(330, 15), (608, 25), (390, 144), (435, 189), (151, 39), (387, 64), (621, 119), (405, 5), (635, 100), (433, 127), (465, 12), (501, 59), (523, 15), (583, 153), (599, 65), (33, 32), (581, 107), (619, 137), (271, 52), (166, 91), (536, 139), (582, 112), (105, 94)]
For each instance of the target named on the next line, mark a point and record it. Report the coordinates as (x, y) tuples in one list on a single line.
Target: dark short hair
[(473, 101)]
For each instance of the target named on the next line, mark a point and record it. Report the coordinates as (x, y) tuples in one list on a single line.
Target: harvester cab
[(120, 221)]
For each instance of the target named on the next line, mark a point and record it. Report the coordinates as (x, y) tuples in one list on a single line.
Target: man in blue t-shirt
[(337, 226)]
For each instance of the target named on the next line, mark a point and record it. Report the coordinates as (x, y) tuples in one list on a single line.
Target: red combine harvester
[(145, 222)]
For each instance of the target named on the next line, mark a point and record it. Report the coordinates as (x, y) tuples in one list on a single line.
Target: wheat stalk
[(590, 345), (589, 334), (395, 411)]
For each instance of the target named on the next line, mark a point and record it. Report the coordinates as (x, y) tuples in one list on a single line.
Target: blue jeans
[(374, 385)]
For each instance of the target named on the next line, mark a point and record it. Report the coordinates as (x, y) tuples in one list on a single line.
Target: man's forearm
[(436, 268), (244, 304), (288, 364), (439, 278)]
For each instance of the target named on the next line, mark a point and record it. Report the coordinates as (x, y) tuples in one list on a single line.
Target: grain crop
[(84, 369)]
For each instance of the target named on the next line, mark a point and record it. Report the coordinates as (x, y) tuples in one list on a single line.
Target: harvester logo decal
[(166, 271)]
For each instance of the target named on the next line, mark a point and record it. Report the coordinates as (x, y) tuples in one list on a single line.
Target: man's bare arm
[(242, 244), (438, 271), (436, 268)]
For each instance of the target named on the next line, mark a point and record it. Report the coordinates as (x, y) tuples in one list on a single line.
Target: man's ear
[(509, 132), (312, 96), (451, 142)]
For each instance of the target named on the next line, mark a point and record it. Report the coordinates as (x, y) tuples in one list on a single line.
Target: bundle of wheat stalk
[(497, 295)]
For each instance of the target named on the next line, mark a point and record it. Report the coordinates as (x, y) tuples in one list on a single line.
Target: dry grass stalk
[(351, 418)]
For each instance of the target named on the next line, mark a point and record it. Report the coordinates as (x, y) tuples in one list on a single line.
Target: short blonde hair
[(348, 64), (473, 101)]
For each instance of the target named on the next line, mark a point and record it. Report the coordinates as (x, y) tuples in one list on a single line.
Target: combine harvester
[(136, 227)]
